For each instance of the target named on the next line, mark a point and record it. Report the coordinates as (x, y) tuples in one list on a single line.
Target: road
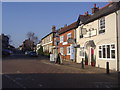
[(20, 71)]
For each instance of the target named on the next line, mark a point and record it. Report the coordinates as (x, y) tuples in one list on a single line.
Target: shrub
[(93, 58), (40, 51), (86, 57)]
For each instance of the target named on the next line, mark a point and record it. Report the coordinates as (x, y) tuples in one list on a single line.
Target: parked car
[(6, 52), (27, 52), (34, 54)]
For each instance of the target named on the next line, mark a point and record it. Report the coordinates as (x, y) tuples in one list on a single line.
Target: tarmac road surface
[(20, 71)]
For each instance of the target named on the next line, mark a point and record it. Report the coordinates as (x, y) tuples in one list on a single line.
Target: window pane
[(68, 35), (113, 53), (103, 46), (101, 31), (104, 52), (108, 51), (100, 54), (68, 50), (113, 46), (101, 25), (82, 51)]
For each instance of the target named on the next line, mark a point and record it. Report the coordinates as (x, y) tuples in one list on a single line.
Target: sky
[(19, 18)]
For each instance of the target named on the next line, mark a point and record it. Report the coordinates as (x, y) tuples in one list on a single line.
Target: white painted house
[(99, 36)]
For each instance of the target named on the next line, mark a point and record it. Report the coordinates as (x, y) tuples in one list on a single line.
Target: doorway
[(92, 56)]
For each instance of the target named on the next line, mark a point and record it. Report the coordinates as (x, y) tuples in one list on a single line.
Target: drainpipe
[(117, 37), (75, 52)]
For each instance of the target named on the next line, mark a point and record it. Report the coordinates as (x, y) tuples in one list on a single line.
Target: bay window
[(104, 51), (113, 51), (107, 51), (100, 52)]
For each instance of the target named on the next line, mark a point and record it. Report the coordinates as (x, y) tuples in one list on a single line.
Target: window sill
[(68, 54), (107, 59), (61, 42)]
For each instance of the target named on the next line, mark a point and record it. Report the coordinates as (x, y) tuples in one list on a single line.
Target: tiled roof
[(83, 18), (48, 35), (69, 27), (108, 9)]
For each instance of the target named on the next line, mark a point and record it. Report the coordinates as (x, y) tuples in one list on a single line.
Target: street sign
[(71, 40), (84, 31)]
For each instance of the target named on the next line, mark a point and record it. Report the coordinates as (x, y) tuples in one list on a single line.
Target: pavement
[(87, 68), (20, 71)]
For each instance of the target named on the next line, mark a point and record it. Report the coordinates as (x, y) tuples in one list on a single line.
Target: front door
[(92, 54)]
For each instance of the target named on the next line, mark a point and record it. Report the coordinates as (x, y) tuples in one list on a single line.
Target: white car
[(27, 52)]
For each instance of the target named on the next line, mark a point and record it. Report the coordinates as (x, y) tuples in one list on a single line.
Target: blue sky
[(18, 18)]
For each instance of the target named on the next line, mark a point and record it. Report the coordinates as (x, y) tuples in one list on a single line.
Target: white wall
[(119, 36), (109, 37)]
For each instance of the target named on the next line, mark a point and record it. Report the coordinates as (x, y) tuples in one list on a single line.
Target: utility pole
[(118, 39)]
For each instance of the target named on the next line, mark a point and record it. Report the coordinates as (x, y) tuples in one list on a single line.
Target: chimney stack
[(95, 9), (65, 25), (94, 5), (53, 28), (86, 13)]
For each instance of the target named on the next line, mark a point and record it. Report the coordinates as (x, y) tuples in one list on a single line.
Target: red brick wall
[(65, 46)]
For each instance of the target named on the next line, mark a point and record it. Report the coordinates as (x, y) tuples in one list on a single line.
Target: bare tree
[(32, 37), (10, 40)]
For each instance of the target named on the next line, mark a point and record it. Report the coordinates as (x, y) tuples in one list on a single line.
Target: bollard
[(107, 67), (82, 63)]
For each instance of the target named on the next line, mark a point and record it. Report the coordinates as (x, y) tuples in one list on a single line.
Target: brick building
[(47, 41), (66, 47)]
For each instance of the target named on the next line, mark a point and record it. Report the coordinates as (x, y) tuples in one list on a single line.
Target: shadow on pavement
[(58, 80), (24, 57)]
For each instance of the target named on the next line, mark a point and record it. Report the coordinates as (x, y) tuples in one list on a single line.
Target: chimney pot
[(65, 25), (94, 5), (95, 9), (53, 28), (86, 13)]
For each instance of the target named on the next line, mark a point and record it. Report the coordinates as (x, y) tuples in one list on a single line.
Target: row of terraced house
[(93, 38)]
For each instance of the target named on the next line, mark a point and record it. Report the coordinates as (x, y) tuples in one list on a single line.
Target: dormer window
[(101, 25)]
